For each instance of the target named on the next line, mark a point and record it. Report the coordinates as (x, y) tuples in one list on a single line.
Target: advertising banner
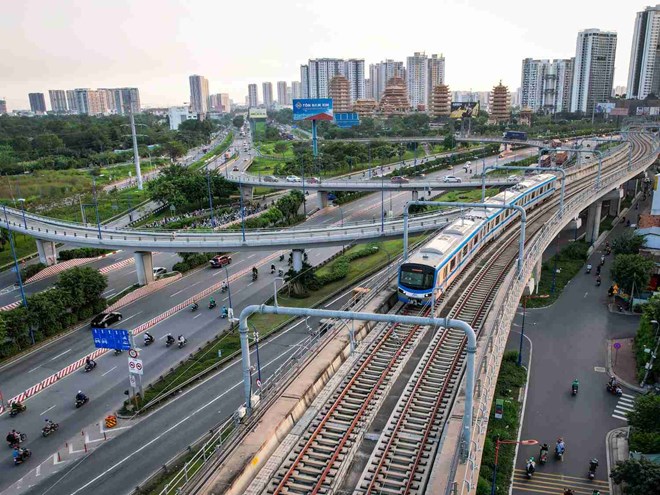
[(257, 113), (312, 109), (464, 109), (605, 107), (619, 112), (348, 119), (654, 111)]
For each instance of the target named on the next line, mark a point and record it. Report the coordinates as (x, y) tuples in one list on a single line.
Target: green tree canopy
[(632, 269), (641, 477), (645, 427), (81, 287), (238, 121), (628, 243)]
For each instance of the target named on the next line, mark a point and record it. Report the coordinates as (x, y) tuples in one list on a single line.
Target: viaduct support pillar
[(297, 260), (144, 267), (415, 195), (246, 192), (322, 197), (47, 252), (593, 221)]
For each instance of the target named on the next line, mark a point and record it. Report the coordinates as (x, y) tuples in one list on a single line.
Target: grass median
[(220, 348)]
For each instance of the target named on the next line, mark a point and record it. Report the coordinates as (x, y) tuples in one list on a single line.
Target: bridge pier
[(415, 195), (297, 259), (322, 198), (246, 192), (47, 252), (593, 221), (144, 267)]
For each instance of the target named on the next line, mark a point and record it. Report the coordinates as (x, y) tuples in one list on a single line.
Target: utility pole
[(136, 156)]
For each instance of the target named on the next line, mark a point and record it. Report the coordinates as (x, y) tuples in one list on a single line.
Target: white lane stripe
[(337, 299), (619, 417), (108, 371), (34, 369), (178, 292), (60, 355), (51, 407), (622, 408), (195, 317), (629, 396), (626, 402)]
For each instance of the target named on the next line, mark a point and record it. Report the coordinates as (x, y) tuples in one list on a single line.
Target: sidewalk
[(617, 451)]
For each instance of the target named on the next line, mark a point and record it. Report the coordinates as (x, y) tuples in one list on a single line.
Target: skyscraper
[(3, 106), (593, 72), (37, 102), (57, 100), (72, 101), (131, 99), (340, 92), (436, 76), (267, 89), (417, 80), (113, 100), (281, 93), (644, 69), (199, 94), (315, 77), (381, 73), (546, 84), (253, 97), (353, 70), (296, 90), (224, 101)]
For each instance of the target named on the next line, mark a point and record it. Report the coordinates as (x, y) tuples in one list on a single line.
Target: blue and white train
[(441, 260)]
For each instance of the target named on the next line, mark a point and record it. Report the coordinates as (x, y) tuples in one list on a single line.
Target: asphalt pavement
[(568, 341)]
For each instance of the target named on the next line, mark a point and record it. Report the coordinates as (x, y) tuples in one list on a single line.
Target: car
[(397, 179), (418, 175), (513, 178), (104, 320), (220, 260), (159, 271), (270, 178), (293, 178), (451, 179), (235, 169), (313, 180)]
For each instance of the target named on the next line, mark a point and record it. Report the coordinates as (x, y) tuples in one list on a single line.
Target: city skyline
[(159, 63)]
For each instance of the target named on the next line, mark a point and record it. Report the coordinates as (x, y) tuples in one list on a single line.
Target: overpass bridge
[(440, 139)]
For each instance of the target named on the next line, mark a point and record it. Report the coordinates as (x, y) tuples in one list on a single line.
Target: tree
[(174, 149), (280, 147), (641, 477), (628, 243), (630, 270), (81, 288), (238, 121), (645, 428), (449, 143), (300, 283)]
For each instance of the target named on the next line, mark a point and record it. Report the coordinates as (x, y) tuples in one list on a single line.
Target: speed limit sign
[(258, 383), (133, 353)]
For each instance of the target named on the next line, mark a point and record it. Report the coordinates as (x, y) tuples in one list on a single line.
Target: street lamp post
[(522, 326), (382, 200), (649, 365), (96, 206), (22, 202), (256, 345), (240, 190), (497, 451), (228, 287), (208, 185)]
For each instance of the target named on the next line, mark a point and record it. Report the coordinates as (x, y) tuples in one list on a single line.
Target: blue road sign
[(111, 338)]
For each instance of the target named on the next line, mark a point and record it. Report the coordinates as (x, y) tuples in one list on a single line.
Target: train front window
[(416, 277)]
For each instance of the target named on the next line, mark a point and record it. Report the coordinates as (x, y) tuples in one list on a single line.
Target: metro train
[(442, 259)]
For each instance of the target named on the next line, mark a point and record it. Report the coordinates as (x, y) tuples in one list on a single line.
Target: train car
[(436, 264), (515, 135)]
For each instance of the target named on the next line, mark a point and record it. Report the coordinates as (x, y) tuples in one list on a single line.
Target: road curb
[(613, 454), (610, 370)]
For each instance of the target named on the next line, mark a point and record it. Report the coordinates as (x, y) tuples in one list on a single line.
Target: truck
[(560, 157), (555, 143), (544, 161), (515, 135)]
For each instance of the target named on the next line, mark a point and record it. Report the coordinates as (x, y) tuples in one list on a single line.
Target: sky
[(156, 44)]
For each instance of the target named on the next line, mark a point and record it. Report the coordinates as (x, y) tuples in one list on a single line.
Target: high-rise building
[(267, 89), (3, 106), (417, 80), (340, 92), (593, 71), (315, 77), (440, 101), (199, 94), (619, 91), (500, 104), (215, 103), (296, 90), (176, 115), (436, 75), (72, 101), (224, 102), (253, 96), (57, 100), (546, 85), (37, 102), (113, 100), (281, 93), (644, 69), (131, 99), (381, 73)]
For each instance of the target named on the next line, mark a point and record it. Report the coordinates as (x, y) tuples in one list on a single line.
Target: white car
[(159, 271), (293, 178), (451, 179)]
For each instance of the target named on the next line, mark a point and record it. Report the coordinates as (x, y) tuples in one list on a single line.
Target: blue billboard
[(312, 109), (111, 338), (348, 119)]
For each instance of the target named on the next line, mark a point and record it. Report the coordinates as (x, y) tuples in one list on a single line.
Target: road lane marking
[(51, 407), (60, 355), (178, 292), (37, 471), (619, 417), (132, 316), (585, 294), (337, 299), (195, 317), (34, 369), (109, 371), (108, 291), (250, 284)]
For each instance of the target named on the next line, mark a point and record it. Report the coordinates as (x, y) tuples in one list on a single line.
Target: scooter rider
[(194, 305), (169, 339), (211, 302), (575, 385), (223, 287), (148, 338), (182, 340), (80, 396), (560, 448), (89, 362), (255, 272), (544, 451), (13, 437), (588, 267), (272, 268), (224, 312), (593, 464)]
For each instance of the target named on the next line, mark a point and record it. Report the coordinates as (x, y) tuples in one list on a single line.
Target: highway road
[(107, 383)]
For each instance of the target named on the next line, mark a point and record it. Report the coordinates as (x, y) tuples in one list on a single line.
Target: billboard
[(348, 119), (464, 109), (605, 107), (619, 112), (312, 109), (257, 113)]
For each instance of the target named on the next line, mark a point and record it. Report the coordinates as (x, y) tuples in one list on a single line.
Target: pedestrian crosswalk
[(555, 484), (623, 406)]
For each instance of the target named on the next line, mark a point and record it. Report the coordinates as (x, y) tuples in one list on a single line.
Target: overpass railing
[(513, 288)]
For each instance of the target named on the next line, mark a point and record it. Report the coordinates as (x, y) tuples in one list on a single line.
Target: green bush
[(31, 270), (644, 425), (192, 260), (70, 254), (338, 268)]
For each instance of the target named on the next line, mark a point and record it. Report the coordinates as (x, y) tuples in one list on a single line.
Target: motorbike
[(272, 270), (169, 342), (148, 340), (281, 257), (224, 313), (255, 276), (543, 458), (588, 269), (529, 469), (22, 437), (593, 464), (81, 402), (49, 428), (90, 366), (212, 304), (574, 389), (559, 454), (118, 352), (598, 282), (223, 289), (182, 343), (280, 272), (602, 260), (15, 409), (615, 389), (24, 456), (194, 307)]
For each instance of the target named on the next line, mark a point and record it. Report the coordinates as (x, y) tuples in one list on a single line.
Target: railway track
[(402, 459)]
